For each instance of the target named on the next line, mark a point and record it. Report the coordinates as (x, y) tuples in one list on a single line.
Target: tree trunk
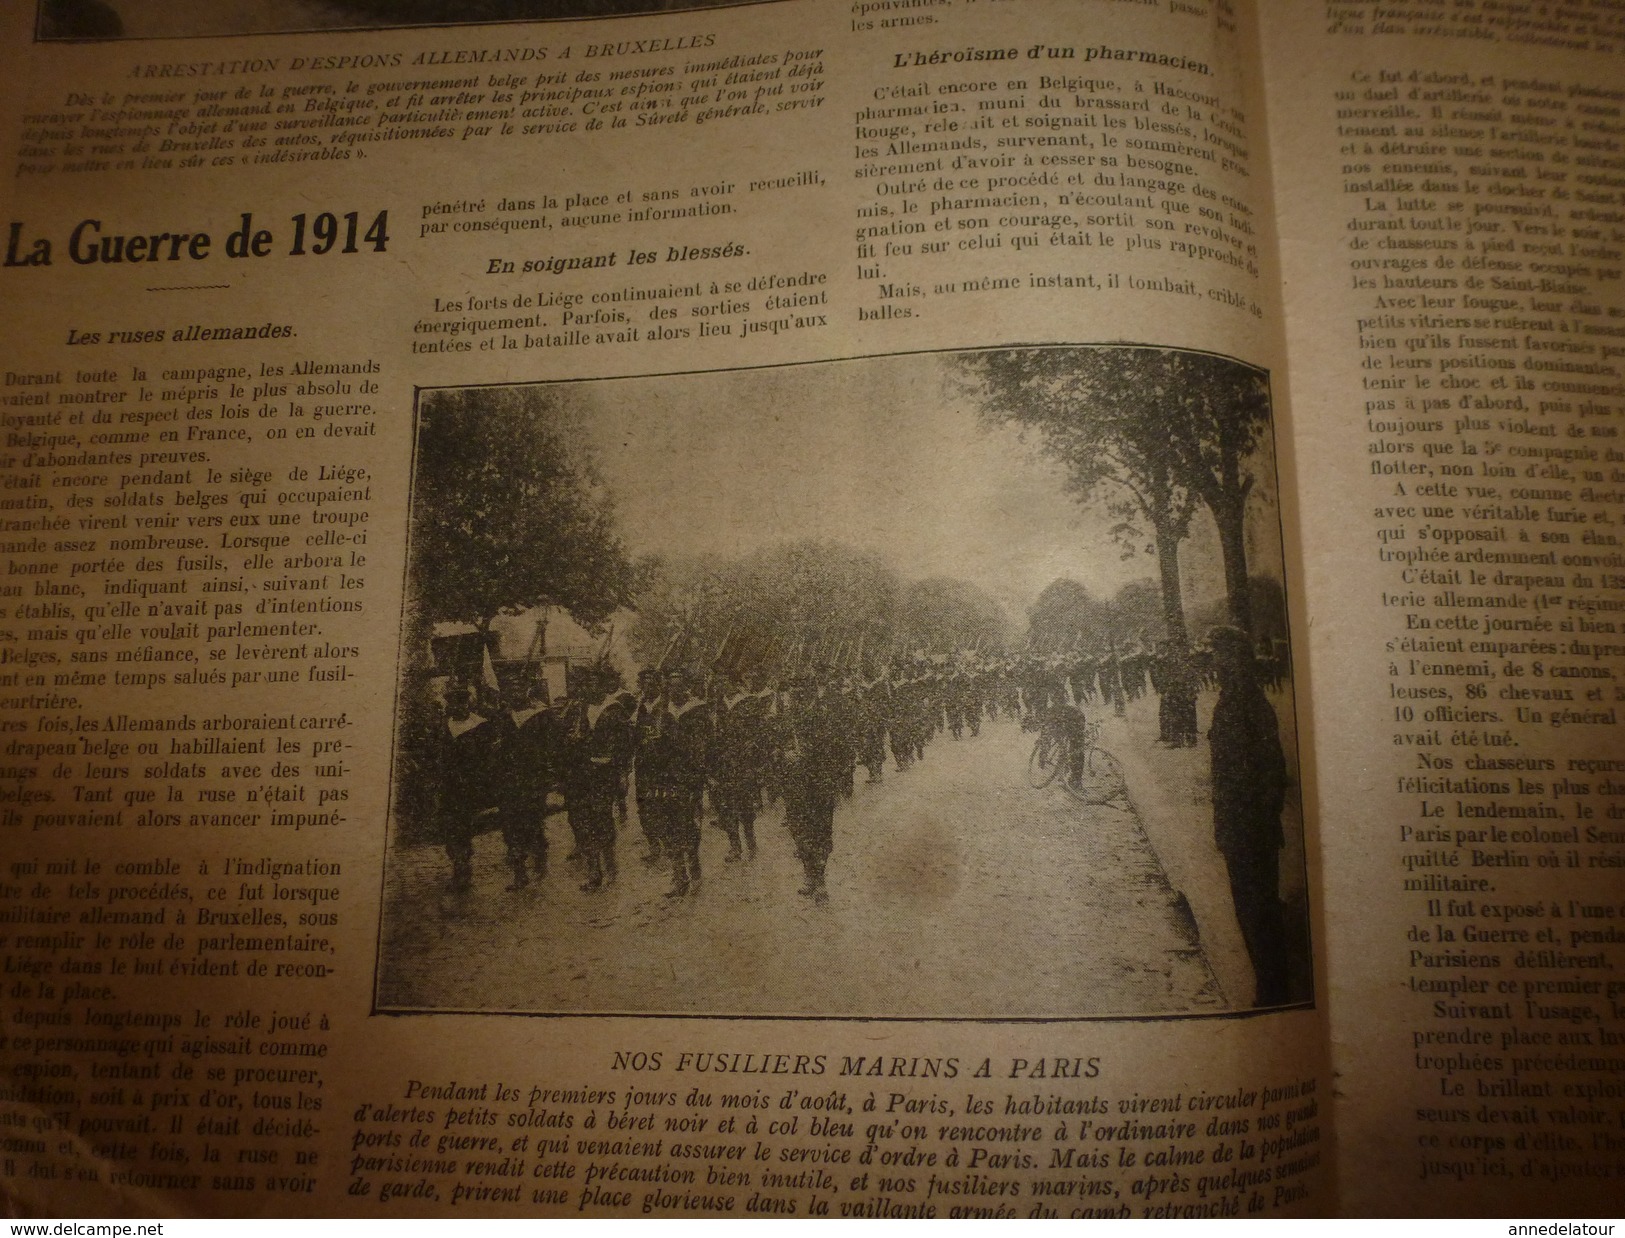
[(1231, 519), (1225, 493), (1173, 602)]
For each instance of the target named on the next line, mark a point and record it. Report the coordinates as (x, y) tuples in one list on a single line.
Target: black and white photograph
[(939, 685), (93, 20)]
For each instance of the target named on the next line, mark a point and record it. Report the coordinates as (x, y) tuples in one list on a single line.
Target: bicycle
[(1092, 774)]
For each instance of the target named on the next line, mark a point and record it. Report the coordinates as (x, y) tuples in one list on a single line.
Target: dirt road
[(955, 890)]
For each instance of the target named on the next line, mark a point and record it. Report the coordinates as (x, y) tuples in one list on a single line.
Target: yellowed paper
[(1449, 208)]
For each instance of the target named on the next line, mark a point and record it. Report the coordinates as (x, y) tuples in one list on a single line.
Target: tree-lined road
[(955, 890)]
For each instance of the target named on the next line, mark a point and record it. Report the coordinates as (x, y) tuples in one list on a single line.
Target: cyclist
[(1067, 733)]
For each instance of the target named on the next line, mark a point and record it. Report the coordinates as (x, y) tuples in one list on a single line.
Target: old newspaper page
[(659, 608), (1450, 185)]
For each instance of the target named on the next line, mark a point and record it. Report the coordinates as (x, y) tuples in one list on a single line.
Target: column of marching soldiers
[(736, 740)]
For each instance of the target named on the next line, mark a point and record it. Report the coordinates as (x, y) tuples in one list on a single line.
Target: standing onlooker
[(1249, 789)]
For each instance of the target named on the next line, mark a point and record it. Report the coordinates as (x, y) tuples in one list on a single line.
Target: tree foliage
[(1068, 616), (942, 614), (797, 602), (1168, 428), (509, 512), (1136, 611), (1219, 415), (799, 599)]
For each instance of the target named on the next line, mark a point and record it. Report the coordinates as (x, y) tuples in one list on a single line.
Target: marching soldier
[(533, 768), (672, 752), (594, 734), (901, 718), (815, 757), (471, 754), (874, 705), (651, 697), (739, 760)]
